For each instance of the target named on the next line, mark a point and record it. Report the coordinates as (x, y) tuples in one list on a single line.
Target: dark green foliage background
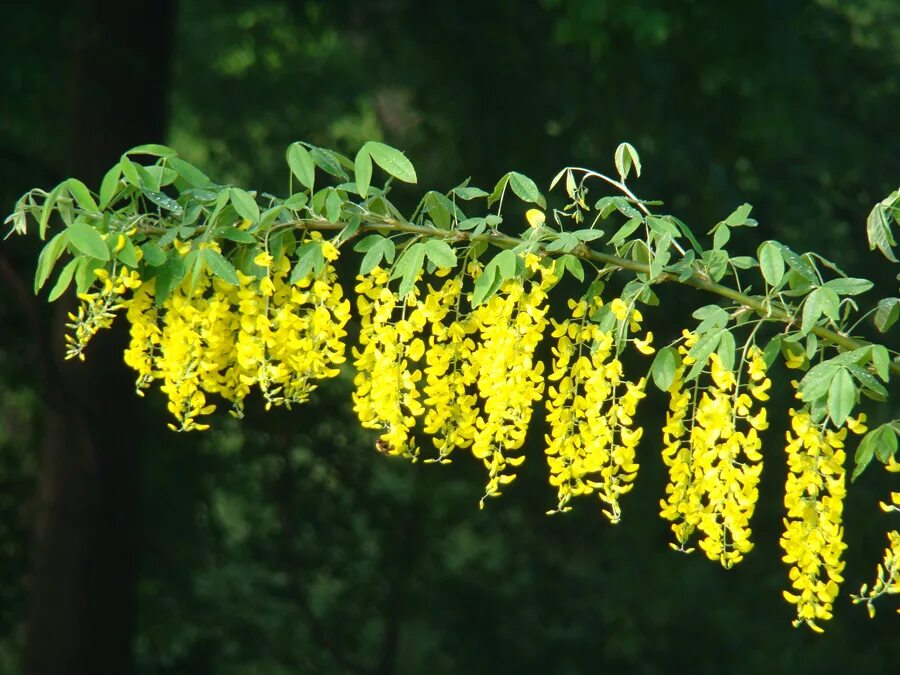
[(285, 543)]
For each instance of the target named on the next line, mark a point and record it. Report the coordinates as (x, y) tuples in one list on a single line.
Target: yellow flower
[(535, 217), (643, 346), (263, 259)]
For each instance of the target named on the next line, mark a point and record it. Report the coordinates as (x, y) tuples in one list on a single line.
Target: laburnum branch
[(228, 291)]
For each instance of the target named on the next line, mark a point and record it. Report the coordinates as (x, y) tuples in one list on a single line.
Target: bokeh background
[(286, 544)]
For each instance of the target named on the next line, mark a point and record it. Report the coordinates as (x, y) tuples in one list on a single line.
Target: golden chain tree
[(227, 291)]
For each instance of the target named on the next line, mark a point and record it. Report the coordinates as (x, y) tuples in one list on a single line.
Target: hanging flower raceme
[(813, 540), (887, 574), (712, 451), (213, 337), (509, 381), (97, 307), (450, 397), (590, 410), (387, 397)]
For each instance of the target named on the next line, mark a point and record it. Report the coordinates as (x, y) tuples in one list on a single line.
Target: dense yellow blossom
[(450, 396), (210, 337), (590, 410), (97, 307), (387, 396), (813, 540), (510, 379), (712, 451)]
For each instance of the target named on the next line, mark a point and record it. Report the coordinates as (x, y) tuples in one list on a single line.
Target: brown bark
[(83, 582)]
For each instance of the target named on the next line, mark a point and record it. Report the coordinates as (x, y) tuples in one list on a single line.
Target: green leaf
[(467, 193), (153, 254), (726, 350), (168, 276), (498, 190), (51, 252), (881, 361), (701, 351), (772, 350), (817, 381), (743, 262), (663, 226), (864, 452), (814, 306), (663, 369), (47, 209), (525, 189), (588, 235), (64, 280), (301, 164), (771, 263), (849, 286), (128, 255), (381, 248), (130, 172), (333, 205), (886, 443), (711, 317), (574, 266), (234, 234), (82, 195), (508, 264), (164, 201), (362, 169), (626, 231), (153, 149), (626, 157), (878, 230), (439, 208), (408, 266), (841, 397), (87, 240), (244, 204), (486, 284), (440, 253), (565, 242), (84, 273), (219, 266), (392, 161), (887, 313), (193, 177), (309, 261), (739, 216), (328, 162), (109, 186), (721, 236)]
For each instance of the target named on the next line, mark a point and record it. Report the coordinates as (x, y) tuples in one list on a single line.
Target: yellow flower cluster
[(887, 576), (887, 579), (387, 397), (212, 337), (813, 540), (510, 326), (592, 439), (450, 396), (714, 472), (97, 308), (480, 374)]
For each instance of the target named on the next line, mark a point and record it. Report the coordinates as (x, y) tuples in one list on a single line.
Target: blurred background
[(285, 544)]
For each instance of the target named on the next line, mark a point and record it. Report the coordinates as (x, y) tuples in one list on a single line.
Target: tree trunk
[(83, 583)]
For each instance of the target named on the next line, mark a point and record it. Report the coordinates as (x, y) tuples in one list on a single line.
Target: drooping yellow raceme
[(813, 540), (887, 575), (387, 396), (510, 379), (212, 337), (592, 440), (451, 400), (97, 308), (711, 448)]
